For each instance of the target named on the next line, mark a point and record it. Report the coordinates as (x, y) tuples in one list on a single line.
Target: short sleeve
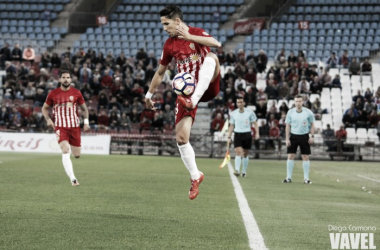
[(253, 117), (311, 117), (166, 56), (49, 99), (80, 98), (288, 120), (200, 32), (232, 120)]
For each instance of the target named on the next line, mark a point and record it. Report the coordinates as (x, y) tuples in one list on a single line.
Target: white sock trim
[(188, 158), (68, 166)]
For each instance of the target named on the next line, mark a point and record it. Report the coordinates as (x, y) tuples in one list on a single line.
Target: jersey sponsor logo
[(192, 46), (192, 58)]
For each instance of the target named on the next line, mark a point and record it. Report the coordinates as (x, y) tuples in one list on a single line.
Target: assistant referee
[(299, 123), (241, 121)]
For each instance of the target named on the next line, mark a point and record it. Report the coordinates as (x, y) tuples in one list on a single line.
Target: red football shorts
[(211, 92), (72, 135)]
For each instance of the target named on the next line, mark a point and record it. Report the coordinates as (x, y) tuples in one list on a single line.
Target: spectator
[(325, 79), (55, 61), (121, 60), (5, 55), (368, 95), (349, 119), (251, 58), (345, 60), (4, 116), (125, 122), (261, 110), (114, 120), (354, 68), (250, 97), (30, 91), (66, 65), (240, 84), (39, 98), (292, 58), (141, 55), (315, 87), (250, 76), (221, 55), (341, 135), (271, 90), (231, 58), (284, 108), (280, 54), (93, 119), (274, 134), (145, 124), (45, 61), (23, 72), (358, 96), (336, 82), (316, 108), (261, 61), (230, 75), (303, 86), (134, 116), (157, 123), (282, 63), (332, 61), (366, 66), (29, 54), (373, 119), (217, 123), (329, 138), (368, 107), (103, 120), (106, 80), (17, 53), (168, 116), (151, 60)]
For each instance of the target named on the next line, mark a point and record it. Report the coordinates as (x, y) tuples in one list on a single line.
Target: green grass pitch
[(141, 202)]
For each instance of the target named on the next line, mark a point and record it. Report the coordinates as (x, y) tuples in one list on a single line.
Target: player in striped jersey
[(190, 47), (65, 101)]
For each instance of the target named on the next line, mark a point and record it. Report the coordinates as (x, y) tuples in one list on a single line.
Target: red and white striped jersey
[(65, 106), (188, 55)]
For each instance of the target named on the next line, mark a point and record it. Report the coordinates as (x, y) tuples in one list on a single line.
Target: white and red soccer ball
[(184, 84)]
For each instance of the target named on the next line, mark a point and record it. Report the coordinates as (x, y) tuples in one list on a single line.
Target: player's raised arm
[(156, 81), (183, 33), (45, 112), (85, 114)]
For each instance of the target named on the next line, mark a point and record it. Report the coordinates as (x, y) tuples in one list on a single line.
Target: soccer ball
[(184, 84)]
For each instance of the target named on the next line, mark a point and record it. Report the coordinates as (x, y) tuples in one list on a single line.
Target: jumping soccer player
[(189, 47)]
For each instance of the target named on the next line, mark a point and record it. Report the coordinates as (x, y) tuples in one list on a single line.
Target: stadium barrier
[(47, 143)]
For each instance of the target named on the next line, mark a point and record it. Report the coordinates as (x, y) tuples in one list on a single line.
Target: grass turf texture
[(139, 202)]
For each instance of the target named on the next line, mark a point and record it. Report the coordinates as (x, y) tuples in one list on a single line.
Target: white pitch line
[(368, 178), (255, 239)]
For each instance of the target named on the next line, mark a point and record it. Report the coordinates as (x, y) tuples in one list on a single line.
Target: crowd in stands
[(114, 88), (289, 76)]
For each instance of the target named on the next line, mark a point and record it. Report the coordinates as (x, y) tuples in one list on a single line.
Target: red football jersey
[(188, 55), (65, 106)]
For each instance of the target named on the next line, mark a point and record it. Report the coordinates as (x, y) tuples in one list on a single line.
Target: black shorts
[(243, 140), (299, 140)]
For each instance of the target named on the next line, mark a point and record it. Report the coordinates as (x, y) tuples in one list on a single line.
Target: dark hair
[(172, 12), (239, 97), (298, 96), (64, 72)]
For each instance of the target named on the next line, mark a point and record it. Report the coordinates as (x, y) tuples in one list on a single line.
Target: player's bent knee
[(65, 151), (181, 141)]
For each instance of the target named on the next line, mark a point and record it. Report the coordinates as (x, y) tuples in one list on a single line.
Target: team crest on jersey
[(71, 98), (205, 33), (192, 46), (195, 57)]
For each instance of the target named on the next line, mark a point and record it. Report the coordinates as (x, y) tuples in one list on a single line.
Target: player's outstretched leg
[(208, 71)]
